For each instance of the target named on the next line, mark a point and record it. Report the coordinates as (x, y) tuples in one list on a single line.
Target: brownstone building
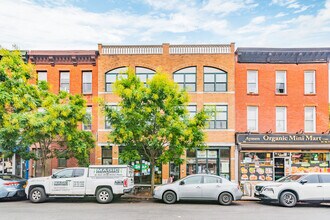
[(206, 72), (74, 71)]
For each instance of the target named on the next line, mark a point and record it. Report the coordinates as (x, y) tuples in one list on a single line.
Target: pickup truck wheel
[(169, 197), (225, 198), (104, 195), (37, 195), (288, 199)]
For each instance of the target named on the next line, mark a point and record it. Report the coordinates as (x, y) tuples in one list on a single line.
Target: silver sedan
[(199, 187)]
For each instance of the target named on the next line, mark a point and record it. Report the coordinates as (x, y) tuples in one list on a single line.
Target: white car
[(307, 187), (100, 181), (199, 187)]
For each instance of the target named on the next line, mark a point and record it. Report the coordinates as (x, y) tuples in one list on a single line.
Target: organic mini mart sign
[(283, 138)]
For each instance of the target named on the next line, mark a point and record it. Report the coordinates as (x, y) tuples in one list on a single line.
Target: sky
[(82, 24)]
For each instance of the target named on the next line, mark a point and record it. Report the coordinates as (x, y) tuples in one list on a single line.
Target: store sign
[(283, 138)]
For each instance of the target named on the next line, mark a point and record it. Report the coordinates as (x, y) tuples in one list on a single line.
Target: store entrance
[(282, 167)]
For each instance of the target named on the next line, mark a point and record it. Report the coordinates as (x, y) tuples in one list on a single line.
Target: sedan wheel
[(288, 199), (225, 198), (169, 197)]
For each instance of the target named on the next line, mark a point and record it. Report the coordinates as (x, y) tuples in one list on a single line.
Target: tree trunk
[(152, 163), (43, 167)]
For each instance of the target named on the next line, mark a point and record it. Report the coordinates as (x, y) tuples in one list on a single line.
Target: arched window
[(144, 74), (112, 76), (186, 78), (215, 80)]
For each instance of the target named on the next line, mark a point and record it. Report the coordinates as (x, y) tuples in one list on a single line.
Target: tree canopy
[(153, 121)]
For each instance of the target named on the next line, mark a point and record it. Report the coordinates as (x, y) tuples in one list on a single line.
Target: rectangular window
[(309, 82), (87, 82), (61, 162), (87, 126), (107, 124), (218, 116), (42, 76), (252, 81), (281, 119), (280, 82), (310, 119), (192, 110), (106, 155), (65, 81), (252, 118)]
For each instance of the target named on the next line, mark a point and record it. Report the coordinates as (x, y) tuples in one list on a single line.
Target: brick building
[(206, 71), (282, 117), (74, 71)]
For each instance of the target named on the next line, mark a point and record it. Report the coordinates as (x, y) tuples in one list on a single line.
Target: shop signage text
[(286, 138)]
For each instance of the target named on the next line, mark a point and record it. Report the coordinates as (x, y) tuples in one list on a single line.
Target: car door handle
[(218, 186), (319, 186), (198, 187)]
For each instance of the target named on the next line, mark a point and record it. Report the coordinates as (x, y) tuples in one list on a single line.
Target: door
[(312, 189), (279, 167), (191, 188), (325, 181), (61, 182), (211, 187), (78, 182)]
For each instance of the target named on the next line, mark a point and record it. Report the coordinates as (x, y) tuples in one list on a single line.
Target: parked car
[(307, 187), (199, 187), (100, 181), (12, 186)]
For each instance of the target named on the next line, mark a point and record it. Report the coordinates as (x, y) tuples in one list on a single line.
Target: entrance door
[(279, 167)]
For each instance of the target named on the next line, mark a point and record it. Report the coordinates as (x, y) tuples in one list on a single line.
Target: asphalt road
[(124, 209)]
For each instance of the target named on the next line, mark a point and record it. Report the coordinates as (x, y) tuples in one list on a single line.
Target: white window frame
[(61, 82), (313, 83), (252, 72), (276, 82), (89, 110), (277, 114), (314, 118), (45, 75), (256, 120), (84, 81)]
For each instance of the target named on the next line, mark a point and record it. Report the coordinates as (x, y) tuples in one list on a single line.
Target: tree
[(153, 121), (56, 123), (18, 98)]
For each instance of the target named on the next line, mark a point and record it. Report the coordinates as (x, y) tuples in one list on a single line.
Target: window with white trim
[(192, 110), (186, 78), (87, 126), (112, 76), (252, 81), (42, 76), (144, 74), (309, 82), (215, 80), (310, 119), (87, 82), (252, 118), (280, 82), (65, 81), (107, 123), (281, 123), (218, 116)]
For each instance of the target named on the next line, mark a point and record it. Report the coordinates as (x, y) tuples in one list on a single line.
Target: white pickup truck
[(100, 181)]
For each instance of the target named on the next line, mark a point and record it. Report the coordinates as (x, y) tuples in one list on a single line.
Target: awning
[(283, 147)]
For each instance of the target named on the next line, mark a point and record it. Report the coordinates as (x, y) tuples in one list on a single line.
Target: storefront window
[(310, 162), (175, 171), (6, 165), (225, 163), (142, 172), (256, 166), (191, 162)]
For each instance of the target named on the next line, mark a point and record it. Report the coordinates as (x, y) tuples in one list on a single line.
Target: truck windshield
[(290, 178)]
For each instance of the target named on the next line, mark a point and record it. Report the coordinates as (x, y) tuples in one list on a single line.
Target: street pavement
[(78, 209)]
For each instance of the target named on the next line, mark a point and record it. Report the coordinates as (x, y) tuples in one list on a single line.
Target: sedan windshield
[(290, 178)]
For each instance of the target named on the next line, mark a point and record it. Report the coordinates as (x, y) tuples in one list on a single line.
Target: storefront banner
[(283, 138)]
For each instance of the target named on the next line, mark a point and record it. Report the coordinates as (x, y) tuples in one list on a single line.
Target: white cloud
[(281, 14), (225, 7)]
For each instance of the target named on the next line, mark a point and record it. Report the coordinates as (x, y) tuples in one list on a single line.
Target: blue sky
[(81, 24)]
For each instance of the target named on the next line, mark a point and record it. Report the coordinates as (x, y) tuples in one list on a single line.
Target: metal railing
[(125, 49), (200, 49)]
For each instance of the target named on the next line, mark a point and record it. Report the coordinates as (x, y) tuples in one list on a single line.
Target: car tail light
[(125, 182), (11, 184)]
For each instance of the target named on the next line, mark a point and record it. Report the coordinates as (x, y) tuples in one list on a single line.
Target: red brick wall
[(295, 100)]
